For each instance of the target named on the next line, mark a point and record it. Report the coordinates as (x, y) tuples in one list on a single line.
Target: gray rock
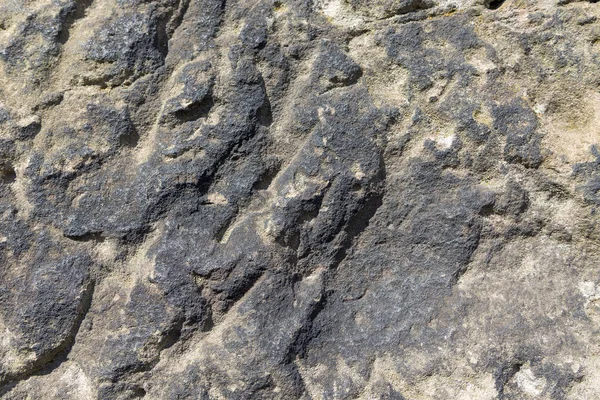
[(299, 199)]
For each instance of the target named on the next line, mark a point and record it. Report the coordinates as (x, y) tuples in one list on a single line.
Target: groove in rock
[(74, 14)]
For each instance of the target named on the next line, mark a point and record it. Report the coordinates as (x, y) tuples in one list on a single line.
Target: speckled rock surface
[(296, 199)]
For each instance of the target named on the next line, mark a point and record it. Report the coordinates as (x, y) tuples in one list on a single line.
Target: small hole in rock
[(87, 237), (7, 174), (265, 180), (130, 139), (494, 4), (138, 392)]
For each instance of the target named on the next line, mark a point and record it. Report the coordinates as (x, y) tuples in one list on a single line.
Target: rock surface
[(296, 199)]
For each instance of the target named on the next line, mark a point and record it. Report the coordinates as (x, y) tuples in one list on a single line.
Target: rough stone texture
[(296, 199)]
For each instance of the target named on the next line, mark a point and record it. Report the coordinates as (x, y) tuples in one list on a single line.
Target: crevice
[(83, 309), (505, 374), (177, 19), (415, 5), (264, 113), (167, 199), (163, 36), (73, 14), (131, 139), (487, 210), (348, 81), (137, 236), (408, 8), (171, 336), (168, 24), (359, 222), (339, 83), (223, 299), (48, 101), (355, 297), (195, 111), (222, 233), (494, 4), (8, 174), (267, 178), (238, 293), (461, 270), (299, 345), (259, 389), (175, 334), (87, 237), (292, 238), (138, 392), (459, 273), (168, 339), (230, 154), (209, 322)]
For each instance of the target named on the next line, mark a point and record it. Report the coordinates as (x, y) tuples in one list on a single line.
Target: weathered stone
[(297, 199)]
